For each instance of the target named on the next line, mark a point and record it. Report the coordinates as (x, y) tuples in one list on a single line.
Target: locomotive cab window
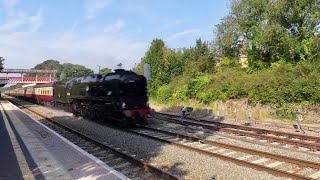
[(91, 78)]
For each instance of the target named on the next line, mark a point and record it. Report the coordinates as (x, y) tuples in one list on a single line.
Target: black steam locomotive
[(120, 97)]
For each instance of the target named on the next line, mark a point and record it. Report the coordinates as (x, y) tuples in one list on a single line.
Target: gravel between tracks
[(176, 160), (215, 136)]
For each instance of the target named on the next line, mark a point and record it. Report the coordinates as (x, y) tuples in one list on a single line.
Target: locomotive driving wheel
[(84, 111), (75, 108)]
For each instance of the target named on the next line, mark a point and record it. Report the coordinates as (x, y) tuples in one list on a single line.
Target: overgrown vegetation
[(280, 40), (278, 85)]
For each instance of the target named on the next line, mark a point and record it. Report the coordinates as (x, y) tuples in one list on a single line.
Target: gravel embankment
[(176, 160)]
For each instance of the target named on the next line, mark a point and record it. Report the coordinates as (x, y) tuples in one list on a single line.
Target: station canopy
[(30, 71)]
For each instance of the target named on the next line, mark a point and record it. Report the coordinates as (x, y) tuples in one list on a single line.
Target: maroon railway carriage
[(29, 92), (16, 92), (43, 93)]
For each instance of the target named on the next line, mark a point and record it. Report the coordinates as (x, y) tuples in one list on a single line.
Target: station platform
[(30, 150)]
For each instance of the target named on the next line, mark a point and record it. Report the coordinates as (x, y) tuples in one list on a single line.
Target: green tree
[(281, 30), (199, 58), (1, 63), (49, 65), (203, 56), (105, 71), (176, 63), (70, 70), (64, 71), (166, 63), (154, 56)]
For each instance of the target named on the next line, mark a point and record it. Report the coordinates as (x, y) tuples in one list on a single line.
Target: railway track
[(289, 127), (274, 164), (310, 142), (117, 158)]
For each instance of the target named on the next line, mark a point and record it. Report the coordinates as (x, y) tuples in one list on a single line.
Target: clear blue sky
[(100, 32)]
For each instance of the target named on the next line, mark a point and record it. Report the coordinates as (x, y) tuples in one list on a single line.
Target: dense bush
[(284, 83), (164, 94)]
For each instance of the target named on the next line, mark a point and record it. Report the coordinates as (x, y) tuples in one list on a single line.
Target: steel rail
[(275, 172), (257, 130), (299, 162), (299, 143)]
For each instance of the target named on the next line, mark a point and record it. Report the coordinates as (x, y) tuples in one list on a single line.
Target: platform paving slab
[(30, 150)]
